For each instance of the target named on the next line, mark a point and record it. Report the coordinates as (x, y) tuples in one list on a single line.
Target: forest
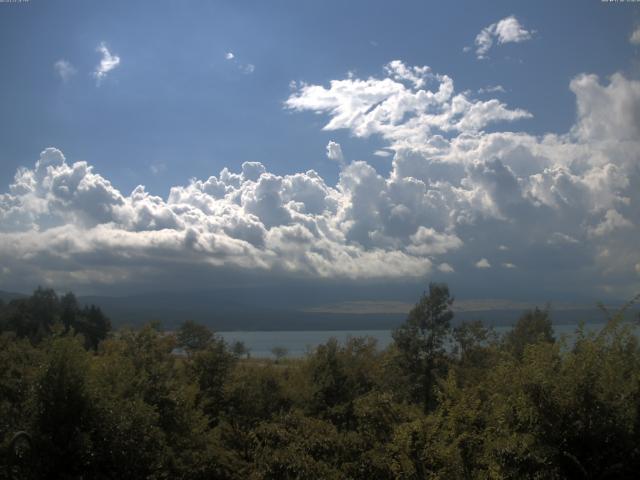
[(446, 400)]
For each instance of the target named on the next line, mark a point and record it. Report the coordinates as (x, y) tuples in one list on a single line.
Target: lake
[(298, 343)]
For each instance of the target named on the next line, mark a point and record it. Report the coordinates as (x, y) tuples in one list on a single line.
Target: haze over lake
[(301, 343)]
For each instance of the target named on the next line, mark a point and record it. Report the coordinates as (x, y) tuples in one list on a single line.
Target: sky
[(368, 146)]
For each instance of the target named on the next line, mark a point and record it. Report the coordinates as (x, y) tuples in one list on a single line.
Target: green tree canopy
[(193, 336), (421, 340), (534, 326)]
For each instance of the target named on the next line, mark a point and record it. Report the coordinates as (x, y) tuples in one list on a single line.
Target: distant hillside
[(224, 312), (8, 296), (265, 310)]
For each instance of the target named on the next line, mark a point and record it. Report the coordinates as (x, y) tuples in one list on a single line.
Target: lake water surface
[(298, 343)]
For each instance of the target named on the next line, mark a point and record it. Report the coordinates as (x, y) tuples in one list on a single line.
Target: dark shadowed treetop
[(428, 322), (239, 349), (534, 326), (279, 352), (420, 341), (193, 336), (472, 335), (34, 317)]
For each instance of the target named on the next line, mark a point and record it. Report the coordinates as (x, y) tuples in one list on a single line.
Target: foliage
[(35, 317), (279, 352), (440, 402), (240, 350), (193, 337), (533, 326), (421, 341)]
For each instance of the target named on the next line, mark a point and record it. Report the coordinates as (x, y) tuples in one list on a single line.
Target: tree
[(210, 368), (279, 353), (144, 370), (44, 307), (63, 410), (296, 447), (19, 367), (93, 324), (193, 336), (534, 326), (338, 375), (88, 321), (69, 310), (253, 395), (421, 338), (33, 317), (239, 349)]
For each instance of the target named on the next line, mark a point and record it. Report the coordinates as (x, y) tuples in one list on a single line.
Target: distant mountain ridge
[(8, 296), (257, 310), (229, 315)]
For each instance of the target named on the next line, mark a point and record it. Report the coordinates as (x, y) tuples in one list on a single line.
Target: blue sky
[(175, 101), (176, 108)]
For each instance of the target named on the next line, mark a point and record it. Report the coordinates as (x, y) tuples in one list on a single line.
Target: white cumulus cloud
[(565, 204), (507, 30), (562, 184), (445, 268), (612, 221), (492, 89), (246, 68), (409, 107), (483, 263), (382, 153), (60, 213), (64, 69), (107, 63), (334, 152)]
